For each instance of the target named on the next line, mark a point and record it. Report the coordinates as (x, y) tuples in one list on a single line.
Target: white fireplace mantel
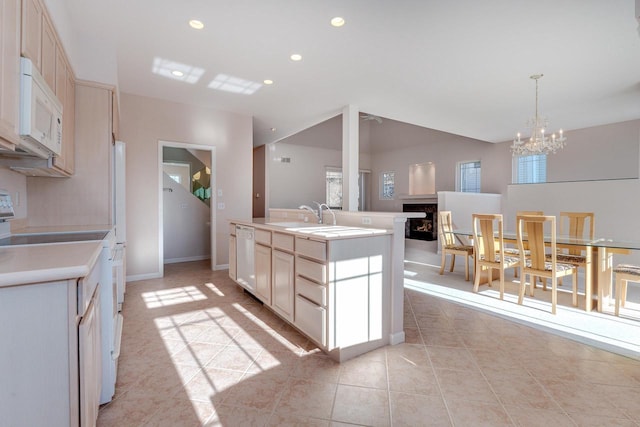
[(418, 198)]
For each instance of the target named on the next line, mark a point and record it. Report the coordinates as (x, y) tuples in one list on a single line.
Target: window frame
[(459, 169), (515, 172), (381, 194)]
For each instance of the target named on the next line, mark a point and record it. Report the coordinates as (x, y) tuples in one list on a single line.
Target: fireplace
[(422, 228)]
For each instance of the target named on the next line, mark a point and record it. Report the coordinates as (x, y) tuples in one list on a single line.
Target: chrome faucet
[(312, 211), (324, 205)]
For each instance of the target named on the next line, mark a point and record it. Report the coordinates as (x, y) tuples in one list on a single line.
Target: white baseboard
[(221, 267), (137, 277), (396, 338), (187, 259)]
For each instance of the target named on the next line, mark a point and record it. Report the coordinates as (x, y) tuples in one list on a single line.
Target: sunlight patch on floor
[(601, 330), (167, 297)]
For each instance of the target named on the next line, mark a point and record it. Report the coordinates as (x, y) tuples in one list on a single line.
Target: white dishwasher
[(246, 272)]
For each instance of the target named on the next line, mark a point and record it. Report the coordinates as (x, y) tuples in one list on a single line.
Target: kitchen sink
[(293, 224)]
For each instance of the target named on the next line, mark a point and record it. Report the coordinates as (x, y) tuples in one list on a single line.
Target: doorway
[(187, 191)]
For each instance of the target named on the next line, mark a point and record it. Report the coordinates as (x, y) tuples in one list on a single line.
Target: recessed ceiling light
[(268, 82), (198, 25), (177, 73), (296, 57), (273, 129), (338, 21)]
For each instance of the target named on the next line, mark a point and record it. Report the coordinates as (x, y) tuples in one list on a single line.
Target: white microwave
[(40, 114)]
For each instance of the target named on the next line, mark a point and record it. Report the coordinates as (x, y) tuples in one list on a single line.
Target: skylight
[(233, 84), (176, 70)]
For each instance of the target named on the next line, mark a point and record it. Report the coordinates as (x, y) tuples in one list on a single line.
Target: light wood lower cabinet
[(90, 367), (232, 257), (50, 363), (263, 273), (311, 318), (336, 292), (283, 283)]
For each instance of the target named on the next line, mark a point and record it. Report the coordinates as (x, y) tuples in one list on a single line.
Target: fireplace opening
[(422, 228)]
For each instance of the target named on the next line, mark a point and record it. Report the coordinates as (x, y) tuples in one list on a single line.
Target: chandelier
[(538, 143)]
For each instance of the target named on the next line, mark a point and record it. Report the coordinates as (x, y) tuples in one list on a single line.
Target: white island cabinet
[(331, 283), (50, 363)]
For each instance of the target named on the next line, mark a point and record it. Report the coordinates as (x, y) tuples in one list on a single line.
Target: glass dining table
[(599, 256)]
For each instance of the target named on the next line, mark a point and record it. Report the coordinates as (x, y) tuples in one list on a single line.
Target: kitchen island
[(332, 283)]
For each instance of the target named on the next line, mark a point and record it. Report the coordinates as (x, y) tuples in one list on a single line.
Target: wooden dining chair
[(449, 244), (624, 273), (516, 250), (531, 229), (488, 243), (574, 225)]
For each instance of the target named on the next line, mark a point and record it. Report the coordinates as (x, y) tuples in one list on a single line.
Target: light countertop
[(62, 229), (310, 229), (21, 265)]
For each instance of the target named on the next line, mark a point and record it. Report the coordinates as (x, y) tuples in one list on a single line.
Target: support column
[(350, 157)]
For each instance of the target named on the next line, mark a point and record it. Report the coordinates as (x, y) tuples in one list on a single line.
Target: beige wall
[(445, 155), (85, 197), (303, 179), (145, 121), (15, 182)]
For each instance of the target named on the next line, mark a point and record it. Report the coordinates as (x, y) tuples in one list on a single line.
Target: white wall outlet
[(221, 206), (366, 220), (219, 192), (183, 205)]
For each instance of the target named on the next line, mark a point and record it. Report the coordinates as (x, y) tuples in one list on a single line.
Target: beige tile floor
[(197, 351)]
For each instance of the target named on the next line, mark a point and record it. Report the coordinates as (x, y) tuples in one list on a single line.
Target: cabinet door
[(282, 283), (232, 257), (61, 77), (263, 273), (312, 320), (69, 120), (9, 71), (90, 362), (32, 30), (60, 161), (48, 54)]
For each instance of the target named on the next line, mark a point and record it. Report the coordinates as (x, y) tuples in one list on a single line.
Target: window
[(530, 169), (387, 184), (334, 188), (469, 177)]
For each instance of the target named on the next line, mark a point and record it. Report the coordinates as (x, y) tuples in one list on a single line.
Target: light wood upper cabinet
[(41, 44), (48, 54), (61, 76), (64, 163), (69, 124), (9, 72), (32, 30)]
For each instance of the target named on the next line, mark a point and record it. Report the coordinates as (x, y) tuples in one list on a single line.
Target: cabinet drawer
[(311, 270), (283, 241), (263, 236), (311, 291), (311, 248), (311, 319)]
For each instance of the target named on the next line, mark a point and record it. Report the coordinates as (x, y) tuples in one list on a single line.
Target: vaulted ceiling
[(457, 66)]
